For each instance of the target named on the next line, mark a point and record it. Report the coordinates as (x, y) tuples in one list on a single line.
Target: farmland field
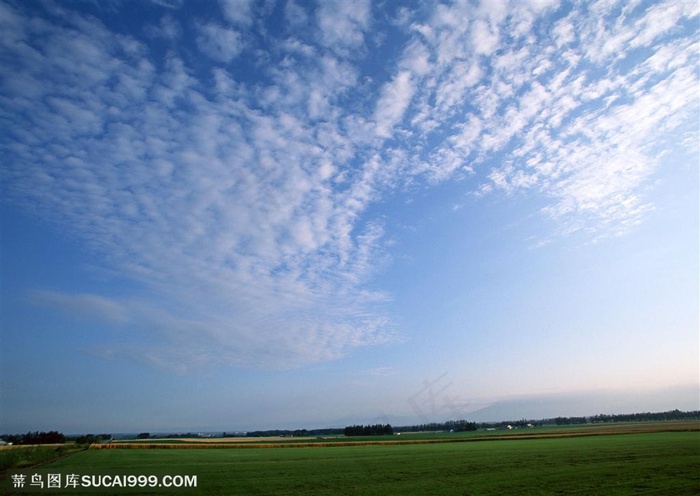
[(635, 463)]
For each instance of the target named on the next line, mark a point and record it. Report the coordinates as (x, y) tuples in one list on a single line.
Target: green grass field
[(663, 463)]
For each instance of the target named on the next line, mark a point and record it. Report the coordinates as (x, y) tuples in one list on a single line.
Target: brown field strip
[(228, 440), (584, 431), (22, 446)]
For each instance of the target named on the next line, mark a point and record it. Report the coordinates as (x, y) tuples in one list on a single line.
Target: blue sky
[(236, 215)]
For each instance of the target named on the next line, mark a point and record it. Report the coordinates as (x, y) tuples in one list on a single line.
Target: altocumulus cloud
[(232, 176)]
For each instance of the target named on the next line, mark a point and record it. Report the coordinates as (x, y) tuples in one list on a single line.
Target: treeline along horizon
[(464, 425), (36, 437), (55, 437), (631, 417), (369, 430), (450, 425)]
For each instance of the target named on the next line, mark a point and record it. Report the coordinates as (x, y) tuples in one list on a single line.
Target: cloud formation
[(219, 43), (241, 203)]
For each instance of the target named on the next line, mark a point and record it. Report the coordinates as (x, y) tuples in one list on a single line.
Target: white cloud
[(84, 305), (229, 215), (529, 100), (416, 59), (393, 102), (484, 37), (658, 20), (168, 4), (238, 11), (540, 5), (343, 24), (168, 29), (219, 43), (453, 86), (295, 14), (563, 32)]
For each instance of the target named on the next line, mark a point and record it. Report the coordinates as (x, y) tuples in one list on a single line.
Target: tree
[(143, 435), (89, 439), (51, 437), (369, 430)]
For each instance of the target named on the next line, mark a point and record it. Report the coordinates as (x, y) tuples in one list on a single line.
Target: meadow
[(650, 462)]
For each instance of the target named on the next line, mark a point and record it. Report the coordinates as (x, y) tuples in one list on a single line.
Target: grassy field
[(26, 457), (651, 462)]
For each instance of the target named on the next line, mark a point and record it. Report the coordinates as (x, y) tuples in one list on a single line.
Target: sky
[(237, 215)]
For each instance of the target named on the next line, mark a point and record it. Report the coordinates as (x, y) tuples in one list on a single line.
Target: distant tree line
[(369, 430), (642, 417), (450, 425), (630, 417), (290, 433), (51, 437), (570, 420), (595, 419), (278, 433), (186, 435), (92, 438)]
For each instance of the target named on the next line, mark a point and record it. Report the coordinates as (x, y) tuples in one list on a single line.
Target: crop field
[(407, 438), (652, 461)]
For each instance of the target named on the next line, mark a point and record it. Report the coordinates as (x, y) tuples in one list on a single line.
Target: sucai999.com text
[(67, 481)]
